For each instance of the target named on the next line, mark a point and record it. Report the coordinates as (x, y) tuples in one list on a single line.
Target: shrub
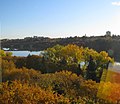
[(17, 93)]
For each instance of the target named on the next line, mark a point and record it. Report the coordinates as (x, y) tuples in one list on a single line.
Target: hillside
[(107, 43)]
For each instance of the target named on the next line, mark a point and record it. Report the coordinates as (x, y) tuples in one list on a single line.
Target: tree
[(71, 56), (96, 62), (3, 53), (64, 57)]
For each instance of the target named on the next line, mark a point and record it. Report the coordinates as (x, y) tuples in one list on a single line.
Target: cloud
[(116, 3)]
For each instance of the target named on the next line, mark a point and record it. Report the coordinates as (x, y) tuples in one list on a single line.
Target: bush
[(17, 93), (22, 74)]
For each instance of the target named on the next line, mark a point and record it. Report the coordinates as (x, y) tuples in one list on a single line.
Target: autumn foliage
[(17, 93), (57, 77)]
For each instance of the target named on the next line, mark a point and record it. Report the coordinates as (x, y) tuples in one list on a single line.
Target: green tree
[(64, 57), (3, 53), (96, 62), (70, 58)]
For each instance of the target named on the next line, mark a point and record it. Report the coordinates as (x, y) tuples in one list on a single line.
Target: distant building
[(35, 37), (108, 33)]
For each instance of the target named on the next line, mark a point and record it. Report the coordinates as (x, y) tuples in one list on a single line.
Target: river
[(25, 53)]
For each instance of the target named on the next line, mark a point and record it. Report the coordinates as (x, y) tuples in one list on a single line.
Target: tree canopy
[(70, 56)]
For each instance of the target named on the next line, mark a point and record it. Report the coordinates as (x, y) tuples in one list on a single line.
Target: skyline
[(58, 18)]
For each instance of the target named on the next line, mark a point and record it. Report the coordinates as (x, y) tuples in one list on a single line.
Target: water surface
[(25, 53)]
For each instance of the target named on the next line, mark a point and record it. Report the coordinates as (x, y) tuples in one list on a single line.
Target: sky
[(58, 18)]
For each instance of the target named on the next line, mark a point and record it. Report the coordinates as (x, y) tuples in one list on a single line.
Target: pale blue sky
[(58, 18)]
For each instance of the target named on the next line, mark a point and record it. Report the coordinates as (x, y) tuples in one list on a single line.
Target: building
[(108, 33)]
